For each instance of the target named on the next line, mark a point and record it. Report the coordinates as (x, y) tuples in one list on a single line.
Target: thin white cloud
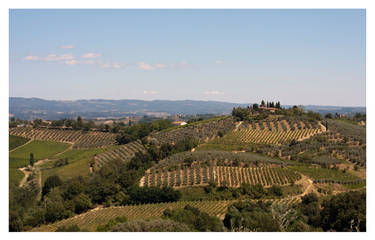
[(213, 93), (145, 66), (218, 61), (67, 47), (87, 58), (31, 58), (90, 55), (149, 67), (71, 62), (150, 92), (54, 57)]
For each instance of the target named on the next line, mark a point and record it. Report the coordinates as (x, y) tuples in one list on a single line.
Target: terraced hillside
[(272, 132), (93, 218), (221, 175), (80, 139), (244, 159), (124, 152), (202, 131)]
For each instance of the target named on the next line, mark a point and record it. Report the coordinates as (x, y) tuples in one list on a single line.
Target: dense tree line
[(261, 112), (116, 184), (141, 130), (195, 219), (342, 212)]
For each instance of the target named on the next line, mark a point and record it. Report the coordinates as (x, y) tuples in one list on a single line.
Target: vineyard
[(201, 131), (80, 139), (93, 218), (90, 220), (202, 158), (221, 175), (329, 143), (272, 132), (340, 142), (124, 152)]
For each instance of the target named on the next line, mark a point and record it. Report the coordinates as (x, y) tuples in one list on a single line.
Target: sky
[(243, 56)]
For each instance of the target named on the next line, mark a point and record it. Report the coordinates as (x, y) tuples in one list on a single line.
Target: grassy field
[(325, 174), (40, 149), (15, 141), (78, 164)]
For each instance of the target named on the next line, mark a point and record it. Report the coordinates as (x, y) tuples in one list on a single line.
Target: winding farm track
[(237, 126), (27, 172)]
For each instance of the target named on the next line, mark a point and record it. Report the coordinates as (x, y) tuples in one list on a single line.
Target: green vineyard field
[(90, 220), (124, 152), (80, 139), (93, 218), (271, 132), (221, 175)]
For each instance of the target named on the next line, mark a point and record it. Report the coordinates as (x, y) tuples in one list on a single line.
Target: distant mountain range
[(31, 108)]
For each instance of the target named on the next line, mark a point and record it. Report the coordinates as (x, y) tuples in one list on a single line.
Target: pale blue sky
[(295, 56)]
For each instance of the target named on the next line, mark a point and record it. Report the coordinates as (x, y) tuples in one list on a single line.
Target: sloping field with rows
[(80, 139), (271, 137), (93, 218), (220, 157), (201, 131), (124, 152), (272, 132), (90, 220), (221, 175)]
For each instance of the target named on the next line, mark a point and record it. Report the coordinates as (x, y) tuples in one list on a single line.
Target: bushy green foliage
[(141, 130), (71, 228), (153, 195), (344, 212), (51, 182), (113, 222), (155, 225), (195, 219), (250, 216)]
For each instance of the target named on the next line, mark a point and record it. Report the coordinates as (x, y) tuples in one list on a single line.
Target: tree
[(328, 115), (278, 105), (82, 202), (262, 104), (51, 182), (32, 159), (250, 216), (284, 214), (195, 219), (154, 225), (344, 212), (37, 123)]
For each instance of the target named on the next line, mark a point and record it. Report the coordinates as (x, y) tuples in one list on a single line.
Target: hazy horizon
[(138, 99), (297, 57)]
